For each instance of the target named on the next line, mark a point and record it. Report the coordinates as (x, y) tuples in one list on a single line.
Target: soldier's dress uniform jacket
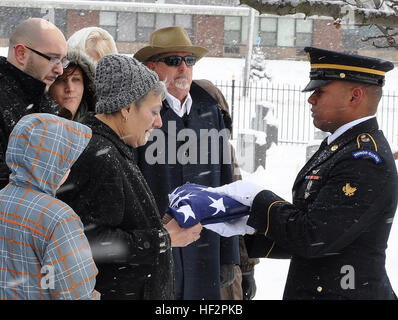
[(337, 228)]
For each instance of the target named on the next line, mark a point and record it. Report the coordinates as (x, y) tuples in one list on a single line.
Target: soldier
[(345, 197)]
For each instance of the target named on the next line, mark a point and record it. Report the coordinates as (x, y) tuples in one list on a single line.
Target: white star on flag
[(187, 196), (217, 204), (187, 212), (173, 196)]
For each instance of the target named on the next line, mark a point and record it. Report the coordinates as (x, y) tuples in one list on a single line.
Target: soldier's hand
[(242, 191), (249, 287)]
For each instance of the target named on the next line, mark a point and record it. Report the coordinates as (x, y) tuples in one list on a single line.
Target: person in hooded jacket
[(130, 245), (74, 90), (44, 252)]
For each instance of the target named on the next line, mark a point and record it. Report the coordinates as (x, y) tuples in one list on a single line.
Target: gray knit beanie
[(121, 80)]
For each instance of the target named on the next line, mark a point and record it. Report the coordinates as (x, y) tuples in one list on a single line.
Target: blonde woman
[(95, 41)]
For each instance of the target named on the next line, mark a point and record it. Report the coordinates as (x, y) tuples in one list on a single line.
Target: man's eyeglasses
[(64, 62), (175, 61)]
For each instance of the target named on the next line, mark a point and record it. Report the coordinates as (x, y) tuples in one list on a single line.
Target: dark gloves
[(227, 275), (249, 287)]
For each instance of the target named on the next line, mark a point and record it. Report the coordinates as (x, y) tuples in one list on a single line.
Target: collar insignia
[(348, 190)]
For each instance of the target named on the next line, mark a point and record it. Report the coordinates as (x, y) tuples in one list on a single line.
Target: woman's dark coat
[(122, 223)]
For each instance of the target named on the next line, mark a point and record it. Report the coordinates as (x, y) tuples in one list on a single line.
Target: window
[(145, 26), (184, 20), (138, 26), (284, 32), (164, 20), (303, 32), (232, 30), (108, 21), (268, 31), (285, 36), (127, 26), (107, 18)]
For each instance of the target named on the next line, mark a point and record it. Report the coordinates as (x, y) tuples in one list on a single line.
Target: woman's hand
[(181, 237)]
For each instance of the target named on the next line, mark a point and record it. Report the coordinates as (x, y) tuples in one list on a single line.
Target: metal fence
[(291, 110)]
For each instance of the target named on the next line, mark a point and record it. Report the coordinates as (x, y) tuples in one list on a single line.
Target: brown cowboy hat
[(170, 39)]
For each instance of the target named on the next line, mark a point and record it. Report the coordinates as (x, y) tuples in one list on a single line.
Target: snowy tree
[(258, 65), (380, 13)]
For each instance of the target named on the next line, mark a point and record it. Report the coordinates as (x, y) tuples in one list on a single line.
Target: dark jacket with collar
[(20, 94), (337, 228), (197, 266), (122, 222)]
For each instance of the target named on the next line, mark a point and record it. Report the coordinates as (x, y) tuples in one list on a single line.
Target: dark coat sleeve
[(96, 190), (4, 170), (335, 218)]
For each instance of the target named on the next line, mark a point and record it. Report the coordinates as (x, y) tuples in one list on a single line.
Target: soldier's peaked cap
[(327, 66)]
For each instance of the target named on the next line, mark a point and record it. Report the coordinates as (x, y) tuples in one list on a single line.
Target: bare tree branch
[(364, 15), (380, 13)]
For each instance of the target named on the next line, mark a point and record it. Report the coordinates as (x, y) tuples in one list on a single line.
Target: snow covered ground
[(282, 163)]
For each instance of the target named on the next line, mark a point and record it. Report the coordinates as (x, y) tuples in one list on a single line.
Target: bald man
[(36, 57)]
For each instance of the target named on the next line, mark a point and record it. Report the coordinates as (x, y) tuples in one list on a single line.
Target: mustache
[(178, 77)]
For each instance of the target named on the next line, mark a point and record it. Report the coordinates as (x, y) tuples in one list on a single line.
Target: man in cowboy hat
[(202, 268)]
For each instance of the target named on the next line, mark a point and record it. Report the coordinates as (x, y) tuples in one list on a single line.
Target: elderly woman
[(74, 90), (130, 245), (95, 41)]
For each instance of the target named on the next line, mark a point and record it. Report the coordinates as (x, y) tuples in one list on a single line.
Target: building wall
[(78, 19), (132, 29), (207, 33), (327, 36)]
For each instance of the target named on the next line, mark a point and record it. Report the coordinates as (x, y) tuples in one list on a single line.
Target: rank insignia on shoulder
[(348, 190), (367, 153)]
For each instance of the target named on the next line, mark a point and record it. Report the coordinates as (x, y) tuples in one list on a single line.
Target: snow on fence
[(292, 110)]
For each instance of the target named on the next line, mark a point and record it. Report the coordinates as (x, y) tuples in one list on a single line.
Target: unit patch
[(367, 153)]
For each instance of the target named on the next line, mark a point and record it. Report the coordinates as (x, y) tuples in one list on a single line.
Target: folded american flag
[(192, 203)]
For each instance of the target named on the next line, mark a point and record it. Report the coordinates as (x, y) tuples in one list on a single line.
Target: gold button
[(342, 75), (334, 147), (319, 289)]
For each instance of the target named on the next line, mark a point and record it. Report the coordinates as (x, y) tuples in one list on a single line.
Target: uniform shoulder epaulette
[(367, 147)]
